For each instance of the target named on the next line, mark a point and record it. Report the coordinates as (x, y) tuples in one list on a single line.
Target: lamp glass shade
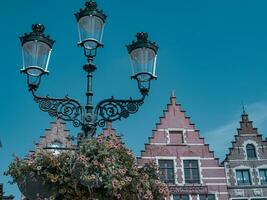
[(91, 30), (143, 63), (36, 55)]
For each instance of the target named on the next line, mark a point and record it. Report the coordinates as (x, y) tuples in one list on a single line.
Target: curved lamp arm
[(115, 109), (66, 108)]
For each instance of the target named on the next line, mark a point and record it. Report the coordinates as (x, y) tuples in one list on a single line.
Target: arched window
[(251, 151)]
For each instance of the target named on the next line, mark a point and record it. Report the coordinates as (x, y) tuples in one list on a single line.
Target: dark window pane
[(194, 164), (191, 171), (207, 197), (243, 177), (202, 197), (195, 174), (211, 197), (186, 163), (166, 168), (263, 176), (251, 151), (180, 197)]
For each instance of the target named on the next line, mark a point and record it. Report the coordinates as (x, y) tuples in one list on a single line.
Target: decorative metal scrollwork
[(113, 109), (66, 109), (69, 109)]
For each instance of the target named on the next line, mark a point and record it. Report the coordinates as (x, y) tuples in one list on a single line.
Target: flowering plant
[(102, 169)]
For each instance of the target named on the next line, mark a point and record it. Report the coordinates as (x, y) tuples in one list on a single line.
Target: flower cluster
[(103, 168)]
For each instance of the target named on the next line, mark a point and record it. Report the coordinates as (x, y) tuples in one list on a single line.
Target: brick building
[(246, 164), (55, 139), (186, 163)]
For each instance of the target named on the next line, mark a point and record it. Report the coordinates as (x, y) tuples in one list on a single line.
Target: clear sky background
[(212, 53)]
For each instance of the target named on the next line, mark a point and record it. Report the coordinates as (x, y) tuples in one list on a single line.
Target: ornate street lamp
[(36, 48)]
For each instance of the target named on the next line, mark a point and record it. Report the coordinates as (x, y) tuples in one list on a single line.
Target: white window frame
[(174, 165), (199, 169), (244, 168), (258, 172), (256, 149), (214, 193)]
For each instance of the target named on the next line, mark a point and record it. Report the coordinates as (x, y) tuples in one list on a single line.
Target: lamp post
[(36, 51)]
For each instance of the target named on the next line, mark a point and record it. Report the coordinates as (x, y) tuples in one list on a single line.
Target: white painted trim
[(167, 132), (185, 136), (264, 166), (212, 167), (223, 193), (214, 178), (245, 135), (246, 160), (255, 144), (183, 132), (248, 198), (166, 157), (227, 169), (260, 147), (190, 158), (175, 129), (216, 184), (151, 157), (158, 144)]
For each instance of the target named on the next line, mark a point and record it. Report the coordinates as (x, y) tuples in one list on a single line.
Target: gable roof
[(246, 129)]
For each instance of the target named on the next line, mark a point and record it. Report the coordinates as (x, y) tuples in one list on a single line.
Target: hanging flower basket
[(102, 169), (34, 186)]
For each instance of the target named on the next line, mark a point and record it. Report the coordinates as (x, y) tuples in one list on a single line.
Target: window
[(166, 168), (55, 147), (251, 151), (191, 171), (176, 137), (207, 197), (181, 197), (263, 176), (243, 177)]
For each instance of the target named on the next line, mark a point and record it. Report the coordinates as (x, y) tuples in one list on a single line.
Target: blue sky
[(212, 53)]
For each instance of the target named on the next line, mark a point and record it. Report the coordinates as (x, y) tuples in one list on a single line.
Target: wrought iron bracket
[(69, 109), (115, 109), (66, 108)]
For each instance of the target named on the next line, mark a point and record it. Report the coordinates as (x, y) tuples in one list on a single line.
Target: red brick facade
[(186, 162)]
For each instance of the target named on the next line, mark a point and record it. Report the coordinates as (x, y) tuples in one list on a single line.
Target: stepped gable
[(246, 126), (245, 132), (176, 141), (176, 129), (248, 153), (109, 130), (174, 117), (55, 137)]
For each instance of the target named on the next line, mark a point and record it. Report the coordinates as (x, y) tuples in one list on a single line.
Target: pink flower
[(122, 171), (115, 184)]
